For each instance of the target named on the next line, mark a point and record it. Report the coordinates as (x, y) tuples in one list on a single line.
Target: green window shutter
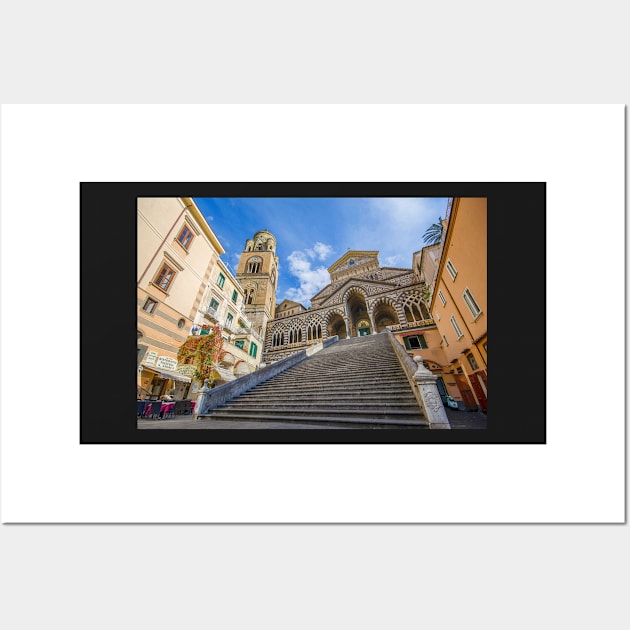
[(407, 344)]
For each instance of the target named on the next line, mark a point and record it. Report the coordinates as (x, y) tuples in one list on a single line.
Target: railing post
[(431, 399), (200, 398)]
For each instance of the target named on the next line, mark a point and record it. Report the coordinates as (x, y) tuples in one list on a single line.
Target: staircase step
[(278, 413), (386, 397), (419, 421), (342, 406)]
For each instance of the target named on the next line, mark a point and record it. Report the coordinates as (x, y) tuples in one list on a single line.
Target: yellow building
[(459, 302), (177, 254)]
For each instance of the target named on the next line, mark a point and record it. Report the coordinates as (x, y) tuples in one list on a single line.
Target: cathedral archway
[(337, 326), (384, 315), (356, 308)]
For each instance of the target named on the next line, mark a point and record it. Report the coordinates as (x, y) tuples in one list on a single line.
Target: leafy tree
[(433, 233), (205, 350)]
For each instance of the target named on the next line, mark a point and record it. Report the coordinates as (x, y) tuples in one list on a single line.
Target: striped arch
[(331, 314), (354, 289), (294, 332), (315, 328), (414, 307), (277, 334), (381, 311), (333, 311)]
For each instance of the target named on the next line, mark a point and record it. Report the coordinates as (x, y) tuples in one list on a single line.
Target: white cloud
[(311, 281), (320, 251)]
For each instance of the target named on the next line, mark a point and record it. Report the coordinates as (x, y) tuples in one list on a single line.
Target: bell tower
[(257, 273)]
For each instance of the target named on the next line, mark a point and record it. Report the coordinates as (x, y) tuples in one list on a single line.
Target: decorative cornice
[(354, 253)]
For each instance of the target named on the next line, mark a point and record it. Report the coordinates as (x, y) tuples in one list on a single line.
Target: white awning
[(168, 374)]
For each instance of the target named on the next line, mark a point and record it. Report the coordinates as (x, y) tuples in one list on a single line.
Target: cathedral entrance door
[(363, 327)]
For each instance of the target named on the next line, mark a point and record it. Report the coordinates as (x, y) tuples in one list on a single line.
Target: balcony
[(211, 314), (229, 326)]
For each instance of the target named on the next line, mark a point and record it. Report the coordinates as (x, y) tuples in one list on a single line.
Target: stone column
[(347, 321), (201, 398), (431, 400), (371, 315)]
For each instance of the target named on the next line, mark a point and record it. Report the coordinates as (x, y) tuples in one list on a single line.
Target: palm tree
[(433, 234)]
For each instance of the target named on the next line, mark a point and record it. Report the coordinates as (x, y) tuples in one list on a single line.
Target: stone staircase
[(354, 383)]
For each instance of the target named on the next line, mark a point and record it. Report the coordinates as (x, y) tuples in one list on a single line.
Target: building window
[(473, 363), (181, 323), (229, 319), (149, 306), (451, 269), (470, 302), (221, 280), (445, 340), (240, 343), (164, 279), (253, 349), (185, 237), (458, 330), (234, 296), (442, 298), (249, 296), (415, 342), (214, 304)]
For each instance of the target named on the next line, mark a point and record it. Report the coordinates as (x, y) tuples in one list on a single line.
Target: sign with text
[(166, 363), (150, 357)]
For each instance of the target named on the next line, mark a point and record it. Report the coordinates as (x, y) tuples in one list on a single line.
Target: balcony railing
[(211, 314)]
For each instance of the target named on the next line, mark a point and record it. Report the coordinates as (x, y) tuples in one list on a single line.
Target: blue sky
[(313, 232)]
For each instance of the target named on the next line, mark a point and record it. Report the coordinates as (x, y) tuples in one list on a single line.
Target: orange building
[(459, 302)]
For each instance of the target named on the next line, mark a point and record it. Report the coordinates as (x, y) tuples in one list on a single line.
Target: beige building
[(223, 304), (177, 254)]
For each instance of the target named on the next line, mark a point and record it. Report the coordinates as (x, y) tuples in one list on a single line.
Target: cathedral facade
[(362, 298)]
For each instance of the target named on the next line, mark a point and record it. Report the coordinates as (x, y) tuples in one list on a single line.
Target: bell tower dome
[(257, 272)]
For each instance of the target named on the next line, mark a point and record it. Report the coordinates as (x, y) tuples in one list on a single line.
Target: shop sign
[(167, 363), (187, 370), (150, 357)]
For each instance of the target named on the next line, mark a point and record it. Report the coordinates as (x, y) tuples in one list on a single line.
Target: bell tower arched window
[(254, 265)]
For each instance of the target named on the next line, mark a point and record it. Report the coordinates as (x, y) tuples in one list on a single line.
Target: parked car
[(451, 402)]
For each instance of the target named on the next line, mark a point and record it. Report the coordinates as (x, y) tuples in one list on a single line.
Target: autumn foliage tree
[(204, 352)]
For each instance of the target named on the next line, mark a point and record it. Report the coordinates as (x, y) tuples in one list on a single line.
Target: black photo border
[(517, 332)]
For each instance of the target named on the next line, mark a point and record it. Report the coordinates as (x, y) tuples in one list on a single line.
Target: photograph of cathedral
[(261, 337)]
